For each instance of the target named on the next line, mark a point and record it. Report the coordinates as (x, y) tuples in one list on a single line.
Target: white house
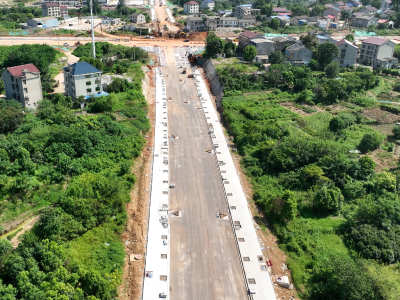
[(208, 4), (191, 7)]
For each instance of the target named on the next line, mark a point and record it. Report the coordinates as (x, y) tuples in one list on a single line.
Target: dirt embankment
[(135, 232)]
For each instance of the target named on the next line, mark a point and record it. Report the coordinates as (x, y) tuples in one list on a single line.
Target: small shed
[(45, 22)]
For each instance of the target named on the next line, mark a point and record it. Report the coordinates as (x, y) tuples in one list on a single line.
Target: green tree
[(370, 141), (310, 41), (96, 6), (317, 10), (7, 292), (344, 15), (274, 24), (328, 200), (376, 3), (10, 119), (341, 278), (367, 166), (386, 181), (349, 38), (326, 52), (396, 132), (276, 57), (332, 69), (396, 52), (214, 45), (289, 210), (249, 53)]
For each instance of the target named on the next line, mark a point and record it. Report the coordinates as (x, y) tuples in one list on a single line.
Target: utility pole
[(91, 24)]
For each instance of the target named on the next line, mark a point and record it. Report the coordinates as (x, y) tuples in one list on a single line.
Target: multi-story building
[(364, 21), (385, 4), (63, 11), (263, 46), (194, 23), (282, 41), (208, 4), (51, 10), (298, 54), (332, 11), (229, 22), (22, 83), (240, 12), (212, 23), (191, 7), (348, 53), (82, 79), (370, 10), (246, 21), (138, 18), (378, 51), (245, 37)]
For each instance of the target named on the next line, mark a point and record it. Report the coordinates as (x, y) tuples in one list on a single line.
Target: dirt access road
[(204, 258)]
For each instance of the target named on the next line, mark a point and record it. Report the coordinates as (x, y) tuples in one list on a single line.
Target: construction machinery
[(181, 34), (101, 27), (184, 71), (78, 43)]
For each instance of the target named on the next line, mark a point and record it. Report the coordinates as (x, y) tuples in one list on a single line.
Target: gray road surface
[(204, 258)]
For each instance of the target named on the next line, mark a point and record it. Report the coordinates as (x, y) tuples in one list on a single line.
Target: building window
[(96, 75), (24, 81), (87, 76), (88, 83), (12, 79), (89, 90), (25, 90), (13, 86), (98, 88)]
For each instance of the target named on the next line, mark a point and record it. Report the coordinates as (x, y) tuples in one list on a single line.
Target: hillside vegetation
[(78, 167), (336, 217)]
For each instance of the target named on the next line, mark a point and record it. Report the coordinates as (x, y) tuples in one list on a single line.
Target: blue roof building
[(82, 79)]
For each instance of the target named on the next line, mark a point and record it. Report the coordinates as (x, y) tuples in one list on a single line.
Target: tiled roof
[(80, 68), (328, 5), (50, 4), (347, 8), (358, 14), (191, 3), (279, 9), (382, 21), (248, 34), (17, 71), (63, 7), (340, 2), (371, 8), (375, 41)]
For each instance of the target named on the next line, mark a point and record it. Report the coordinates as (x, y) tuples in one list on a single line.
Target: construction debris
[(175, 213)]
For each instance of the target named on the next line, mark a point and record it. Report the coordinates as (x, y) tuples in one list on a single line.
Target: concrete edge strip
[(156, 276)]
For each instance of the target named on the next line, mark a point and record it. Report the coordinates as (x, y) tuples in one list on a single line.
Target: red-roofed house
[(279, 9), (245, 37), (50, 10), (63, 11), (22, 83), (368, 10), (347, 53), (191, 7), (379, 51)]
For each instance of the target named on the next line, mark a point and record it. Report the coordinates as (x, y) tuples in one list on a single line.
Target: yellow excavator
[(182, 34)]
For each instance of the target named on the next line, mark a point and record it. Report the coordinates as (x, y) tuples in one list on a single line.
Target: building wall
[(303, 54), (385, 50), (265, 48), (52, 11), (190, 9), (348, 57), (208, 5), (29, 87), (76, 86)]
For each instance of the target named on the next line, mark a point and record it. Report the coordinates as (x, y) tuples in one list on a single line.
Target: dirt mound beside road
[(198, 37)]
